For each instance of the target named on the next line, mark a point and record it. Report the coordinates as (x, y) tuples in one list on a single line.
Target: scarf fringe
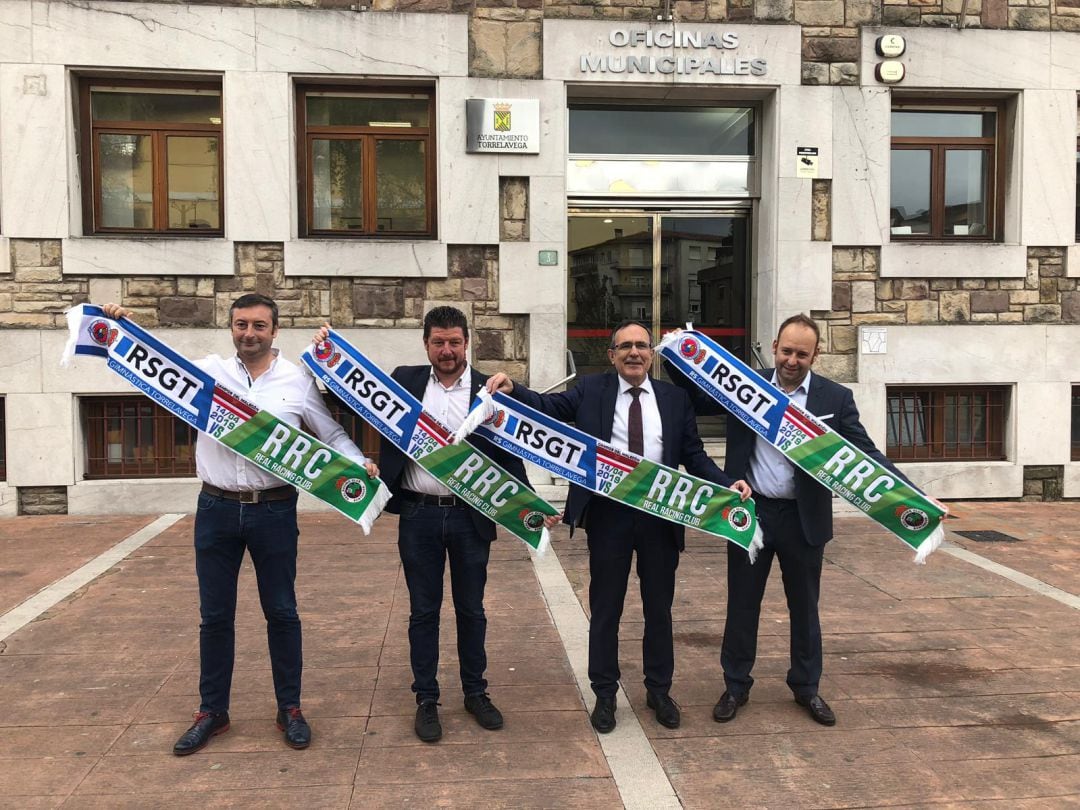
[(74, 318), (930, 545), (756, 545), (382, 497), (483, 411)]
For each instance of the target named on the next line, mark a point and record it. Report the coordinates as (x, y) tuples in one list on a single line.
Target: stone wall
[(37, 292), (861, 296)]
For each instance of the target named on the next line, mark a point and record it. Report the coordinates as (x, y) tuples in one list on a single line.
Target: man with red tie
[(656, 420)]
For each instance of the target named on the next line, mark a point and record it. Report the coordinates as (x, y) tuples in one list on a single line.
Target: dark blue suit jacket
[(825, 397), (590, 405), (392, 460)]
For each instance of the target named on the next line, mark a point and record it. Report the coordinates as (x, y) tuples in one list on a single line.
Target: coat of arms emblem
[(502, 117)]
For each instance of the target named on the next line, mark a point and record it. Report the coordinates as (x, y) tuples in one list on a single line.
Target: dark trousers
[(615, 533), (427, 535), (800, 566), (223, 529)]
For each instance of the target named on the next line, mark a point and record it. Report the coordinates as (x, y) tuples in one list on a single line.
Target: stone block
[(42, 500), (465, 261), (863, 12), (514, 197), (912, 289), (843, 339), (37, 275), (922, 311), (1029, 19), (844, 73), (490, 345), (819, 12), (900, 15), (779, 10), (524, 50), (879, 318), (1048, 291), (150, 287), (1070, 307), (513, 230), (893, 306), (862, 296), (475, 289), (26, 253), (972, 284), (821, 211), (847, 260), (839, 367), (1042, 313), (378, 302), (1010, 317), (1023, 296), (830, 49), (995, 13), (689, 10), (444, 290), (52, 252), (983, 301), (815, 73), (841, 296), (341, 312), (716, 10), (178, 311), (955, 307)]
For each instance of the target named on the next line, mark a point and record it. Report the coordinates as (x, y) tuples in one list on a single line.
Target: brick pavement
[(954, 687)]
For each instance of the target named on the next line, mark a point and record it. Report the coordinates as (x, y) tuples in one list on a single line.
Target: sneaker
[(206, 725), (481, 707), (428, 728), (296, 728)]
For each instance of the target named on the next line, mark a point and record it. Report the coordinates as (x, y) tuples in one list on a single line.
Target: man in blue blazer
[(656, 420), (435, 525), (795, 514)]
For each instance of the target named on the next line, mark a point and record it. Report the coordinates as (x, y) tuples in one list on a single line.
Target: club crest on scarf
[(102, 334), (352, 489), (325, 353)]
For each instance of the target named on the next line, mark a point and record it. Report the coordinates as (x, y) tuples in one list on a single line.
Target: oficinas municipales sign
[(696, 52)]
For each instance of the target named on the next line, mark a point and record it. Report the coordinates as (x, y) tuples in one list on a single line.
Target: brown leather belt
[(431, 500), (281, 493)]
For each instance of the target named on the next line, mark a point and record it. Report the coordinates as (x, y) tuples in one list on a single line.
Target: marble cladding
[(41, 435), (794, 204), (805, 121), (913, 260), (860, 191), (101, 256), (1048, 133), (806, 270), (15, 37), (329, 257), (525, 286)]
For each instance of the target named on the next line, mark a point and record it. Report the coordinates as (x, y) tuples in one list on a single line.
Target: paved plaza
[(956, 684)]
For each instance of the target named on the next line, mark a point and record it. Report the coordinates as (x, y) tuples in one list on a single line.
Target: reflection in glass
[(169, 106), (400, 186), (127, 181), (942, 124), (193, 182), (604, 130), (337, 187), (909, 206), (353, 110), (965, 192), (610, 266)]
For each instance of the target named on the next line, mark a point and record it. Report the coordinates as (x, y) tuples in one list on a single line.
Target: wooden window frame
[(367, 136), (95, 437), (3, 438), (993, 147), (369, 440), (159, 133), (1078, 188), (933, 446)]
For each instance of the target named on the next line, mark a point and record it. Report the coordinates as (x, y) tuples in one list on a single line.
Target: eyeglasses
[(641, 346)]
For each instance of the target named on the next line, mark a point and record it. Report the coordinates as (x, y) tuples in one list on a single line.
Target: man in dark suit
[(434, 525), (795, 514), (656, 420)]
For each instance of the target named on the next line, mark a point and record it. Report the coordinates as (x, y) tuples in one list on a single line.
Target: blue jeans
[(223, 529), (427, 535)]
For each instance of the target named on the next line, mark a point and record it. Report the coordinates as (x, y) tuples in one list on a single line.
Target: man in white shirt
[(436, 526), (243, 507)]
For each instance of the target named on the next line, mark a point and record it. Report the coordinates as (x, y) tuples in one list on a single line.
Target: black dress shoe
[(206, 725), (428, 728), (481, 707), (667, 710), (727, 706), (818, 709), (603, 715), (296, 728)]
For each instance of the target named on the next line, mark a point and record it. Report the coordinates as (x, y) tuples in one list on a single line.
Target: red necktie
[(635, 427)]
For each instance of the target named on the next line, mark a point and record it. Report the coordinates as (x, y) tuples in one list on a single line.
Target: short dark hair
[(446, 318), (801, 320), (623, 325), (254, 300)]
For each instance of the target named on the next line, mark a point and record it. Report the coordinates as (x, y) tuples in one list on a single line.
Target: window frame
[(994, 147), (933, 447), (1074, 438), (367, 136), (3, 438), (98, 467), (90, 163)]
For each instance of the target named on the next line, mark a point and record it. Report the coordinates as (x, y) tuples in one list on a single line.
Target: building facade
[(905, 172)]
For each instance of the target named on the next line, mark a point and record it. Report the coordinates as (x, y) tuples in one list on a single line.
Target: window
[(367, 163), (945, 168), (363, 435), (607, 129), (152, 159), (3, 440), (946, 423), (132, 437), (695, 252), (1078, 189), (1075, 455)]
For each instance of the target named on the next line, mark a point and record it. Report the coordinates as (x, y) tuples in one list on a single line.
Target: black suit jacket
[(825, 397), (392, 460), (590, 405)]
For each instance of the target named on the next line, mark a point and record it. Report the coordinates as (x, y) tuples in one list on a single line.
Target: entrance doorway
[(663, 268)]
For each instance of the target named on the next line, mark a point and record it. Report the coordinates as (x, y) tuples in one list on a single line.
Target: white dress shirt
[(770, 473), (289, 393), (650, 420), (450, 405)]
